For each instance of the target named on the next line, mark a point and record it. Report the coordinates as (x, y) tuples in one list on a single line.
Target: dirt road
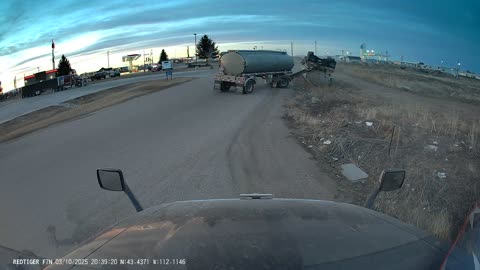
[(12, 109), (185, 142), (80, 107)]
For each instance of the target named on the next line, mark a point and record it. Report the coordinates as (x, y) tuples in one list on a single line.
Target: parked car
[(114, 73), (99, 75), (156, 68)]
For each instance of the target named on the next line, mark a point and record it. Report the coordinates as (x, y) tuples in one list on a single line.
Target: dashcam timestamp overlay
[(96, 261)]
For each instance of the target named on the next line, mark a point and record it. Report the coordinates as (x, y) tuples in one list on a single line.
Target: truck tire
[(225, 86), (283, 82), (249, 86)]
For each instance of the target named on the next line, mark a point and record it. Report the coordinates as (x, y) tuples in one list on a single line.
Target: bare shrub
[(441, 184)]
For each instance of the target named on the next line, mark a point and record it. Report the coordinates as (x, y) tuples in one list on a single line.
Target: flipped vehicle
[(324, 65), (258, 231)]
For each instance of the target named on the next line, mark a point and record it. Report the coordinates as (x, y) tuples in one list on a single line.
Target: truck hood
[(265, 234)]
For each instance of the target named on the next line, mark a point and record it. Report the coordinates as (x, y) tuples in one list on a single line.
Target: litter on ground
[(431, 148), (442, 175), (353, 173)]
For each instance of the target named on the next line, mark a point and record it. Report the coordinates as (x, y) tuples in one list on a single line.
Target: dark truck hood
[(265, 234)]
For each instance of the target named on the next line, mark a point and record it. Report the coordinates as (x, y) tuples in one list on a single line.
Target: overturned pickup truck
[(325, 65)]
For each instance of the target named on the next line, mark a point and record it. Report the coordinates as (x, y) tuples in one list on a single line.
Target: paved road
[(18, 107), (186, 142)]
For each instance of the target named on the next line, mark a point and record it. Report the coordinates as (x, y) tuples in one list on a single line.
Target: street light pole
[(458, 68), (195, 34), (108, 58), (53, 55)]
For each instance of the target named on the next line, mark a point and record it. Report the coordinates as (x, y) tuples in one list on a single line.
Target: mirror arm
[(132, 198), (371, 199)]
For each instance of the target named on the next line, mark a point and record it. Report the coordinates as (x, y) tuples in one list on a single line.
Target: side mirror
[(391, 179), (111, 179)]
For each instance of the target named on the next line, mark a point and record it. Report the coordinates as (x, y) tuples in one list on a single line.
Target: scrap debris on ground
[(434, 138)]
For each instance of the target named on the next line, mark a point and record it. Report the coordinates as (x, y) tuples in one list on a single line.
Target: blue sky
[(427, 31)]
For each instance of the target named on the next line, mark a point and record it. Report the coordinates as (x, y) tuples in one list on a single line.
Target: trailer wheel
[(225, 86), (283, 82), (248, 88)]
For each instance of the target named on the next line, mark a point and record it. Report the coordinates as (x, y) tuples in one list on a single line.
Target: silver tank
[(255, 61)]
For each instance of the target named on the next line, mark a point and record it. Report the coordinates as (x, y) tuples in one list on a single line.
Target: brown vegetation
[(437, 145)]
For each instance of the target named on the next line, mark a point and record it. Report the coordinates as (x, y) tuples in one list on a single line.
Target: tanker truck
[(240, 69)]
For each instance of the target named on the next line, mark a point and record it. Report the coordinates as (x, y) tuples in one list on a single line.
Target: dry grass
[(422, 82), (401, 136)]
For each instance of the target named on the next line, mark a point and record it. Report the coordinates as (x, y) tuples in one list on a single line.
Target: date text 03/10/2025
[(46, 262)]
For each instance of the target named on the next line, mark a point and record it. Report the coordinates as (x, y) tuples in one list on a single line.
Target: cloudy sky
[(422, 30)]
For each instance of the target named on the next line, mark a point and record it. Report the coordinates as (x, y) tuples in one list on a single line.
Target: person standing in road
[(169, 72)]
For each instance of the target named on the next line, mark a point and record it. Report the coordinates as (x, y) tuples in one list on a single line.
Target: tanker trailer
[(240, 68)]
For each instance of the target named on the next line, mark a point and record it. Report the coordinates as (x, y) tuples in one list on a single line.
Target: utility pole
[(108, 59), (458, 67), (315, 47), (291, 47), (195, 34), (401, 59), (143, 60), (53, 55)]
